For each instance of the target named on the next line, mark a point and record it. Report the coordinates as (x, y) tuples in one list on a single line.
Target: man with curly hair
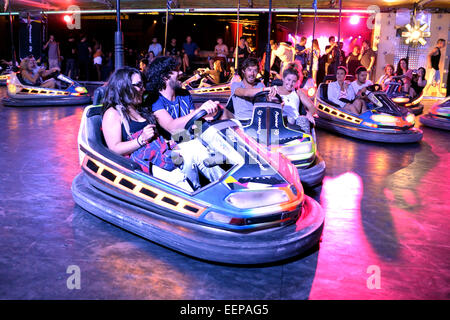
[(173, 108)]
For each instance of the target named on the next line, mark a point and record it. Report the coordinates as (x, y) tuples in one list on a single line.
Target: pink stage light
[(354, 20)]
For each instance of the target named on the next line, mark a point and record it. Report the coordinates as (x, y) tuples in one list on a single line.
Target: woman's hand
[(272, 92), (310, 117), (148, 133)]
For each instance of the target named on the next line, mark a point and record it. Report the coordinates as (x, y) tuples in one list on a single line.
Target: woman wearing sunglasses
[(130, 130)]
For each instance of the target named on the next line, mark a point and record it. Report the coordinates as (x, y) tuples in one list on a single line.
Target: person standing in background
[(243, 51), (330, 53), (353, 60), (316, 57), (98, 57), (433, 60), (190, 51), (301, 52), (84, 53), (70, 56), (54, 55), (367, 58), (155, 47)]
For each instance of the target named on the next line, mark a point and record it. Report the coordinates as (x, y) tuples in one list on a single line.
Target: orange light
[(12, 88), (311, 92), (383, 118), (80, 90), (400, 100), (372, 125)]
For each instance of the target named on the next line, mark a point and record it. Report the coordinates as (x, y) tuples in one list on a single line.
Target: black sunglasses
[(139, 84)]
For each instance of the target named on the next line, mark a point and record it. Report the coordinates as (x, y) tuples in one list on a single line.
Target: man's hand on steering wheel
[(211, 108), (272, 92), (209, 111)]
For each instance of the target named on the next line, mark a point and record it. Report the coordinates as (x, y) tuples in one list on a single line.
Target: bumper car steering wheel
[(263, 96), (189, 125)]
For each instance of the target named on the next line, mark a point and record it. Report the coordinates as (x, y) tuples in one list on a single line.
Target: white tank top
[(291, 105)]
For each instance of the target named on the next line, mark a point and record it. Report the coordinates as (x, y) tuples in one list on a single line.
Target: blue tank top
[(135, 126)]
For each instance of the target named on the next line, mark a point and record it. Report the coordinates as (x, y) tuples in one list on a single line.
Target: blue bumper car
[(385, 121)]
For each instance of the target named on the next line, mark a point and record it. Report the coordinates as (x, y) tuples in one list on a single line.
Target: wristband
[(137, 139)]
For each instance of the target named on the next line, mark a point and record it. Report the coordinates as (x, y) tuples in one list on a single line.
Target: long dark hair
[(121, 94), (399, 71), (424, 72)]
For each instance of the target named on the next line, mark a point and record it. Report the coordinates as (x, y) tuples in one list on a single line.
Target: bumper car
[(385, 121), (393, 91), (439, 115), (220, 92), (268, 127), (255, 213), (68, 92), (4, 77)]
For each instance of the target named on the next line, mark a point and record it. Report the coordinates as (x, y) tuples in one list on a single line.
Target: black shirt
[(70, 50), (173, 50), (135, 126), (435, 60), (83, 51)]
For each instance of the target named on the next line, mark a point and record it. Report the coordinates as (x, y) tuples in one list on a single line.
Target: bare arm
[(306, 101), (327, 51), (173, 126), (49, 72), (112, 131), (309, 105), (372, 60), (250, 92)]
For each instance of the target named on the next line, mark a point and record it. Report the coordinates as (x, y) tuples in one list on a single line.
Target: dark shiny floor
[(387, 209)]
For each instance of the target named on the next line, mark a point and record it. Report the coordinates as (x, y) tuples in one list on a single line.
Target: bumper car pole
[(118, 40), (268, 48)]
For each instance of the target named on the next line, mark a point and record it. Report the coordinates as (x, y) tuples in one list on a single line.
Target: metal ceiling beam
[(210, 10)]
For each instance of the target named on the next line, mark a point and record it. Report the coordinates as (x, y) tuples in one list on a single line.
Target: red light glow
[(68, 19)]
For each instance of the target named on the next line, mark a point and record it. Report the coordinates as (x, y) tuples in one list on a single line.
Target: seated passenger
[(130, 129), (404, 74), (360, 84), (143, 65), (387, 76), (33, 75), (342, 94), (292, 98), (242, 92), (214, 76), (418, 82), (173, 108)]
